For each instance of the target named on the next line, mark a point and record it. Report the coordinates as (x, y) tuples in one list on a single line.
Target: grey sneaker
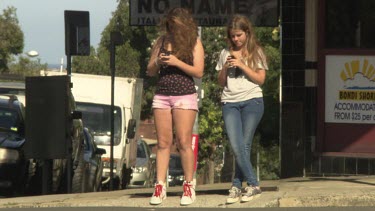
[(251, 192), (234, 195)]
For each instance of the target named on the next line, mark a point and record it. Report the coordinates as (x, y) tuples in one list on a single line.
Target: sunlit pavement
[(293, 192)]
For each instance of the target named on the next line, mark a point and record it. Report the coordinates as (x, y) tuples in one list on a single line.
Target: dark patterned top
[(173, 81)]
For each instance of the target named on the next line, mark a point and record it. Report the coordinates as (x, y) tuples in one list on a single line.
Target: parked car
[(13, 165), (92, 166), (144, 171), (58, 181), (60, 166), (175, 171)]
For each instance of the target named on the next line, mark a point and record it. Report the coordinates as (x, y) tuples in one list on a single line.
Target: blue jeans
[(241, 120)]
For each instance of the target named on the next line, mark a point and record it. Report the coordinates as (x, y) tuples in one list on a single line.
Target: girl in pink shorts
[(176, 57)]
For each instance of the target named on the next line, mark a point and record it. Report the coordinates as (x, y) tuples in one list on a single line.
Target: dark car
[(13, 165), (175, 171), (144, 172), (60, 166), (92, 166)]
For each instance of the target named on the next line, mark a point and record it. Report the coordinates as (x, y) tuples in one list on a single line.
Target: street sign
[(206, 12)]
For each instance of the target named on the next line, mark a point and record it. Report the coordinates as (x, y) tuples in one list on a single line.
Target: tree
[(26, 67), (11, 37), (91, 64), (211, 130)]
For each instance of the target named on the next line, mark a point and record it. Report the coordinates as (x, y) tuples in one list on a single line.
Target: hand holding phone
[(166, 53), (229, 58)]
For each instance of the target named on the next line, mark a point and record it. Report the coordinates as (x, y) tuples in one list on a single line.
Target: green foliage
[(11, 37), (268, 127), (12, 44), (26, 67), (211, 130), (267, 135), (268, 159), (89, 64)]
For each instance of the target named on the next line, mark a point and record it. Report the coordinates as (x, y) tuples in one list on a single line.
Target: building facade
[(327, 92)]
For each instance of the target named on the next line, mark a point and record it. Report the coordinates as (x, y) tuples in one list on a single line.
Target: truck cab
[(93, 99)]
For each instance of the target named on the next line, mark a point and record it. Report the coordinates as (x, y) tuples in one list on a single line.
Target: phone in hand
[(231, 57), (167, 53)]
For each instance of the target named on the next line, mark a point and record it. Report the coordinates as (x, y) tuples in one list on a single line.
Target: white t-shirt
[(239, 87)]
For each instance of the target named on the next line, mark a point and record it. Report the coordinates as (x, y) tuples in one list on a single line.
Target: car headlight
[(9, 156), (107, 163), (181, 177), (170, 178)]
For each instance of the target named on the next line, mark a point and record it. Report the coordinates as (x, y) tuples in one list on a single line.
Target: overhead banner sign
[(206, 12), (350, 89)]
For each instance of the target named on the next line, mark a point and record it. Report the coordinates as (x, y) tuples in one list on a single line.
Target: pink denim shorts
[(188, 102)]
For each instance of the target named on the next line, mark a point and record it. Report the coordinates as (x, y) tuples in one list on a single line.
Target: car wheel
[(78, 181), (57, 174), (126, 174)]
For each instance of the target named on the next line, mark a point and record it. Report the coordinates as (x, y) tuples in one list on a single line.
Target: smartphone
[(230, 57), (167, 53)]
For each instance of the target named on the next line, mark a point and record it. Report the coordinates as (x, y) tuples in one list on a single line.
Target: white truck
[(93, 98)]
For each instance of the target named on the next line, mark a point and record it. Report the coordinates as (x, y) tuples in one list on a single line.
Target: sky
[(42, 22)]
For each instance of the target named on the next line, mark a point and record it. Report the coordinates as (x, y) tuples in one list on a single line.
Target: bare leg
[(163, 124), (184, 122)]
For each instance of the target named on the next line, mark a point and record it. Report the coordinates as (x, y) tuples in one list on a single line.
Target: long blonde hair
[(181, 31), (254, 51)]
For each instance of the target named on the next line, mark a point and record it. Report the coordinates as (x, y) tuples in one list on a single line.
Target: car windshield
[(9, 119), (86, 140), (97, 118), (175, 162), (141, 151)]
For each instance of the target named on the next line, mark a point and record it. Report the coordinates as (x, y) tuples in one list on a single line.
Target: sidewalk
[(293, 192)]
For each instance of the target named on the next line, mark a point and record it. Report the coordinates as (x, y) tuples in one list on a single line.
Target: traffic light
[(77, 33)]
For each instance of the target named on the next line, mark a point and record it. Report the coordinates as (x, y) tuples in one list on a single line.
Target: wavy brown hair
[(254, 51), (181, 31)]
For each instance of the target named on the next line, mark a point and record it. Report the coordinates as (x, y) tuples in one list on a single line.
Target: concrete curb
[(295, 192)]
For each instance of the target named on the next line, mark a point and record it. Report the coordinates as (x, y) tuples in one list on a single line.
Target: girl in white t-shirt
[(242, 70)]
